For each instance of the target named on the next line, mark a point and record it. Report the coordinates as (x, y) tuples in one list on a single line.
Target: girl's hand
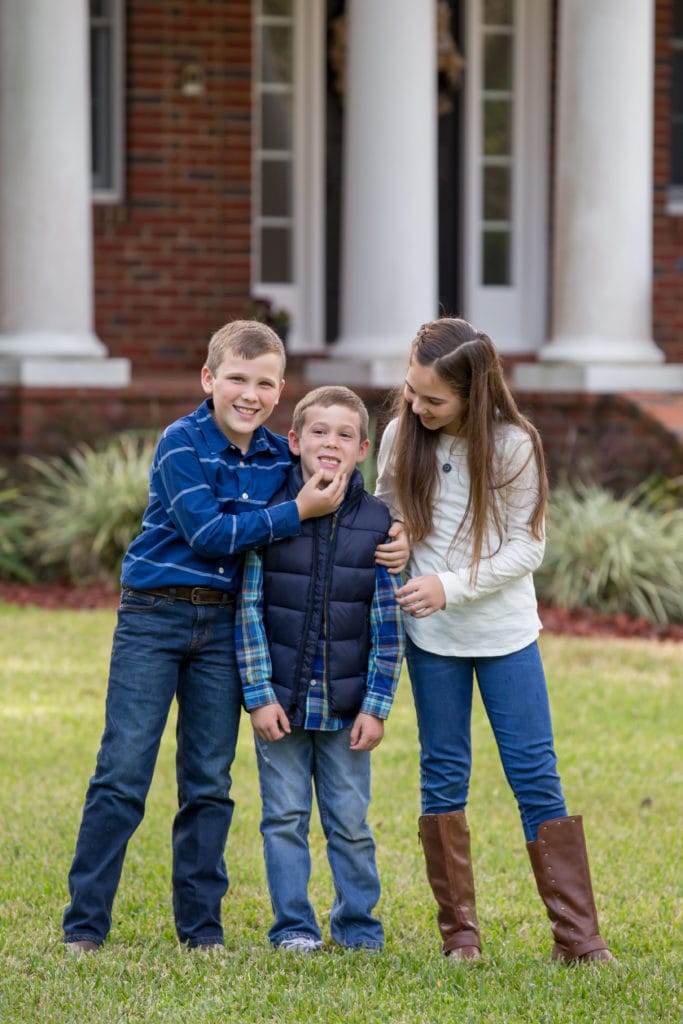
[(422, 596), (395, 553)]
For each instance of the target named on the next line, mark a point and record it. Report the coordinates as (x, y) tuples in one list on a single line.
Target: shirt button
[(221, 569), (314, 682), (245, 495)]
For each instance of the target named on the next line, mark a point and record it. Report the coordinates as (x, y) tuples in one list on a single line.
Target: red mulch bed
[(580, 622)]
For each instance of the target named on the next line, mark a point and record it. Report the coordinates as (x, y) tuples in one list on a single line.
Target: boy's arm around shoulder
[(185, 483)]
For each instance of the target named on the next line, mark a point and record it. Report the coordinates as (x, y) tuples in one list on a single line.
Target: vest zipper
[(326, 595)]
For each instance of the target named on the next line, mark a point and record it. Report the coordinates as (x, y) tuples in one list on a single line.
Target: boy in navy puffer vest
[(320, 645)]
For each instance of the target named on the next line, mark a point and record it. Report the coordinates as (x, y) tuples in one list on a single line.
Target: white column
[(389, 227), (46, 286), (601, 335)]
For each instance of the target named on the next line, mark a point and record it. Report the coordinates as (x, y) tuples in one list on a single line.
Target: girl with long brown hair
[(464, 470)]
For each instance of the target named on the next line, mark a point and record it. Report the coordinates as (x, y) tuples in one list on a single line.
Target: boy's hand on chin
[(319, 497)]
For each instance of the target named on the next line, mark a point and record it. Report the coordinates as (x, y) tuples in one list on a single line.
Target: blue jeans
[(162, 649), (287, 769), (514, 693)]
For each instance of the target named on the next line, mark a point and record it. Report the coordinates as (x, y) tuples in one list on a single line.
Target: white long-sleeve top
[(497, 614)]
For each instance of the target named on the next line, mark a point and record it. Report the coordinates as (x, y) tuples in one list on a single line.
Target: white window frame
[(514, 314), (304, 296), (113, 191)]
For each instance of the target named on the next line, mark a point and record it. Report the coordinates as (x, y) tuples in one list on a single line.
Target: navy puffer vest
[(323, 578)]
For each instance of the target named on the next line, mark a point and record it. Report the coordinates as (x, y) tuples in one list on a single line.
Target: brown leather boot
[(560, 864), (446, 844)]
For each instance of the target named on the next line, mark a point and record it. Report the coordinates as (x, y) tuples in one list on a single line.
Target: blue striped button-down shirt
[(207, 506), (387, 642)]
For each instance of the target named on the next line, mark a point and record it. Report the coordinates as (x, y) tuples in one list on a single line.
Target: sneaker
[(80, 946), (209, 949), (300, 944)]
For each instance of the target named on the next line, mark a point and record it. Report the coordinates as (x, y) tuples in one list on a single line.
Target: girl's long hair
[(468, 363)]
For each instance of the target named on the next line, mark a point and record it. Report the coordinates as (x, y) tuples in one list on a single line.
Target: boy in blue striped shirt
[(212, 479), (319, 646)]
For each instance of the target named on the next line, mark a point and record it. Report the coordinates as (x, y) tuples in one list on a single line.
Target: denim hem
[(82, 937), (295, 935), (371, 947), (205, 940)]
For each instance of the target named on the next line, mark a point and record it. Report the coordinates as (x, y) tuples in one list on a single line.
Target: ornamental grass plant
[(13, 523), (618, 717), (84, 510), (615, 554)]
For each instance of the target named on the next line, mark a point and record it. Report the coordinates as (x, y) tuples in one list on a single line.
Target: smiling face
[(329, 440), (437, 406), (245, 392)]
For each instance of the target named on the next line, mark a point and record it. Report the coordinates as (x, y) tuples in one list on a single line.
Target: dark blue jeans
[(162, 649), (514, 693)]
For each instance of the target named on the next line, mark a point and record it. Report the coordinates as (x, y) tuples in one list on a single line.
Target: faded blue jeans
[(162, 650), (287, 770), (514, 693)]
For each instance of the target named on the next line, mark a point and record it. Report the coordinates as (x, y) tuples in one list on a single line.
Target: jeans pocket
[(135, 600)]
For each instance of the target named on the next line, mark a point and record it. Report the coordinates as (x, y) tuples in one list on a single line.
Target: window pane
[(276, 255), (677, 151), (276, 188), (496, 257), (678, 19), (279, 8), (496, 203), (497, 127), (99, 8), (498, 12), (498, 62), (276, 121), (276, 54), (100, 107), (677, 82)]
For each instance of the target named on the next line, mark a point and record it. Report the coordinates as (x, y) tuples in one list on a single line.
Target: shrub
[(86, 508), (368, 466), (614, 554), (12, 535)]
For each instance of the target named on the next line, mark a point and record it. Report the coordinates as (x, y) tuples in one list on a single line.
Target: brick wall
[(607, 439), (667, 313), (172, 261), (610, 439)]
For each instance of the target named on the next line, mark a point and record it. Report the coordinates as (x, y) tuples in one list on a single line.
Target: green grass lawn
[(618, 710)]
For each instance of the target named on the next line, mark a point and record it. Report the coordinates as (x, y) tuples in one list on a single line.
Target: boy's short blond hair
[(331, 395), (247, 339)]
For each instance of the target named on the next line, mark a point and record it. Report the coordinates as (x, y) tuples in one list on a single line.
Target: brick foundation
[(618, 440)]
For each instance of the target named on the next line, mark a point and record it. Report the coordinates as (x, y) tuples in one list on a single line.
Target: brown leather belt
[(195, 595)]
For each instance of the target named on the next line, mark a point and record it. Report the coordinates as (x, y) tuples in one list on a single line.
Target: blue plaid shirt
[(207, 506), (387, 641)]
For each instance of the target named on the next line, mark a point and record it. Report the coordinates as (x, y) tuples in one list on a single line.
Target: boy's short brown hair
[(247, 339), (331, 395)]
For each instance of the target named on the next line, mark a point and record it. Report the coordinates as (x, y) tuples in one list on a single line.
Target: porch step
[(665, 408)]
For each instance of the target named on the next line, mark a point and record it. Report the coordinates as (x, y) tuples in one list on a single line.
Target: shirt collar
[(217, 440)]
